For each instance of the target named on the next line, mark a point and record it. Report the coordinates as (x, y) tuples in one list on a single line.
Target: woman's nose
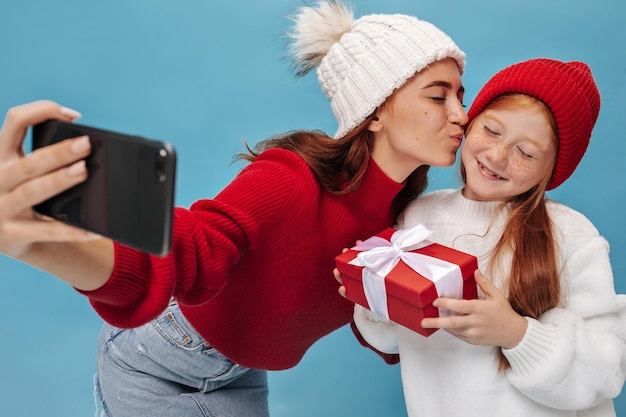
[(458, 116)]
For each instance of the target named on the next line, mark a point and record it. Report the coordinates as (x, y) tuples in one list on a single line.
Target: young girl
[(547, 336), (247, 286)]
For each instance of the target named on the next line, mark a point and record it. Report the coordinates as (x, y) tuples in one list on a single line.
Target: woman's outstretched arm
[(76, 256)]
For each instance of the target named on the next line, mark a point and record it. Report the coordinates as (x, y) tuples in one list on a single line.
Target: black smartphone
[(129, 194)]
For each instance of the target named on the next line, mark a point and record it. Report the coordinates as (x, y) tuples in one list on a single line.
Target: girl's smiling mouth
[(488, 172)]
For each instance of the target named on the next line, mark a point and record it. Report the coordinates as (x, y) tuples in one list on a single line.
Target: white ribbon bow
[(379, 256)]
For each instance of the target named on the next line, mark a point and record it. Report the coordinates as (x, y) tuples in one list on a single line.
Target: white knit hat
[(360, 63)]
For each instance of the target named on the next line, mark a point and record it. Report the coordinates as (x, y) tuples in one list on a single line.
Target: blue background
[(204, 75)]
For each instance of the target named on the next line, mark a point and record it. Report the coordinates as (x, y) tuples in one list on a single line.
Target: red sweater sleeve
[(389, 358), (208, 239)]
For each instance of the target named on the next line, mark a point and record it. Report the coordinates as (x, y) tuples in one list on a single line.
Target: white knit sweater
[(571, 362)]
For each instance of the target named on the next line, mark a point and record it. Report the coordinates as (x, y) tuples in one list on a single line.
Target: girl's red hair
[(533, 285)]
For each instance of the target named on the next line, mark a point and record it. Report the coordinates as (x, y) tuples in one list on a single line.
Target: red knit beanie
[(569, 91)]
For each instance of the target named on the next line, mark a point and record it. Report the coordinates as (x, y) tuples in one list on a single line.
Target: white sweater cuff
[(531, 353)]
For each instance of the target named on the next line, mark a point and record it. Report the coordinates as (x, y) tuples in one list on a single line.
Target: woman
[(549, 310), (246, 287)]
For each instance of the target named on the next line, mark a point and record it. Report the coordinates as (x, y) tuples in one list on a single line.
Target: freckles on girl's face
[(507, 152)]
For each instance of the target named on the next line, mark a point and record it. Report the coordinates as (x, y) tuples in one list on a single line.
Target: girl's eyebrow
[(444, 84)]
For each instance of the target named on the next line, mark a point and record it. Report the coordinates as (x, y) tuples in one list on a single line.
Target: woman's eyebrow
[(444, 84)]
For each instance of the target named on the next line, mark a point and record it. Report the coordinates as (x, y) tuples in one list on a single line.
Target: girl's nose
[(498, 153)]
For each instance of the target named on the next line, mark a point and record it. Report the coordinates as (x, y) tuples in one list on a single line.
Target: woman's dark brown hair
[(338, 164)]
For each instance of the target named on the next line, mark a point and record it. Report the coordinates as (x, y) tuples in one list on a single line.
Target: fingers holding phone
[(18, 119), (51, 170), (15, 167)]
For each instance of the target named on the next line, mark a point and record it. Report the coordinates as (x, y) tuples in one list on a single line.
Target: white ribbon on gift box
[(379, 256)]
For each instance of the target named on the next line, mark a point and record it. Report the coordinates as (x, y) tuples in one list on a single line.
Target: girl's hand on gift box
[(489, 321)]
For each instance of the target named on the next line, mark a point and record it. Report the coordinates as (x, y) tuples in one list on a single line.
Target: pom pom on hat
[(568, 90), (361, 62)]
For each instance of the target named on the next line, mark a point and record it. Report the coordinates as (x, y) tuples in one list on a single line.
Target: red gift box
[(407, 293)]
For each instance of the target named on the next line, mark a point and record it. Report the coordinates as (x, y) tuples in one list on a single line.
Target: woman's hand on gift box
[(337, 274), (488, 321), (342, 289)]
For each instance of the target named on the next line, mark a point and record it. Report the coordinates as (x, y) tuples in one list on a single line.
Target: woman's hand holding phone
[(27, 180)]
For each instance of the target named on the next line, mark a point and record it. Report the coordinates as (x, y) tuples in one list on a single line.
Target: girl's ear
[(375, 125)]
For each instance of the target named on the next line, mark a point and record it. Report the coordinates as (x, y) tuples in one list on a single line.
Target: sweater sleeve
[(208, 239), (574, 356), (378, 332)]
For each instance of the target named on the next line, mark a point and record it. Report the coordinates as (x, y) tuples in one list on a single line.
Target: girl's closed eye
[(524, 153), (490, 131)]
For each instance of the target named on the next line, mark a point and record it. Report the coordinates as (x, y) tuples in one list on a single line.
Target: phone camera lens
[(160, 165)]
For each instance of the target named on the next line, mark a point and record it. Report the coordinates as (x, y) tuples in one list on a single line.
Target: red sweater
[(252, 268)]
